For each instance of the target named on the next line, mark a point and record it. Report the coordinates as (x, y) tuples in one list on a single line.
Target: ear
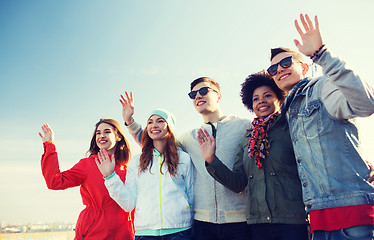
[(305, 69), (219, 97)]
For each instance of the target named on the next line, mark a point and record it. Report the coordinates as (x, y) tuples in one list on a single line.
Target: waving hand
[(311, 39)]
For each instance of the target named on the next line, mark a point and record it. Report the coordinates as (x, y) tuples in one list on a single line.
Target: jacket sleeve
[(344, 94), (124, 194), (136, 131), (56, 179), (235, 180), (189, 178)]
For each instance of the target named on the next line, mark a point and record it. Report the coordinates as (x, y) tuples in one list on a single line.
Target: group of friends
[(296, 170)]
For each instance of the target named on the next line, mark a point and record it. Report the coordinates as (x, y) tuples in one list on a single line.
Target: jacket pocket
[(85, 224), (311, 119)]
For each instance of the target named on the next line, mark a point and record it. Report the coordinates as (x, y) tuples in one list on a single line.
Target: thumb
[(297, 43)]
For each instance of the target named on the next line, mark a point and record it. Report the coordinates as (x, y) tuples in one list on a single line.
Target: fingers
[(316, 22), (203, 136), (46, 130), (130, 97), (298, 28), (310, 23), (98, 163), (104, 156), (305, 24), (122, 100)]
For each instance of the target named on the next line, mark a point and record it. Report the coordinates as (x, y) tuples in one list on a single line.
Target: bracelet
[(317, 54), (110, 176)]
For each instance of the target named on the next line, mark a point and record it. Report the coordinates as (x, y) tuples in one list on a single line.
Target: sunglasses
[(284, 63), (203, 91)]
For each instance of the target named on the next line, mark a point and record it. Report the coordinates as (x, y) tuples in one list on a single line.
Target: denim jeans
[(276, 231), (361, 232), (184, 235), (227, 231)]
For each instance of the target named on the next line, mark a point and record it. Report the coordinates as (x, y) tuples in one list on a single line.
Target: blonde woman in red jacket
[(102, 218)]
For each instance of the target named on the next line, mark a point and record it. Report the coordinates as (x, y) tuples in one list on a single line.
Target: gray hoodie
[(213, 202)]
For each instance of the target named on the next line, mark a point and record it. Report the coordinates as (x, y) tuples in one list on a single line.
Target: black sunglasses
[(284, 63), (203, 91)]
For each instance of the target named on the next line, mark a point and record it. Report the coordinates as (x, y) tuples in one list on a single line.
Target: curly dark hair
[(254, 81)]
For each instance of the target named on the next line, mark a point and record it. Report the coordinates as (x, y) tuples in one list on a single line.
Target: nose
[(280, 68), (198, 95)]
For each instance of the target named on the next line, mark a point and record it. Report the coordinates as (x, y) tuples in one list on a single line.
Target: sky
[(66, 63)]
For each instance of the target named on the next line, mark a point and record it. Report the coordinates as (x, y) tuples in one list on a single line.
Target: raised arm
[(344, 93), (128, 116), (54, 178)]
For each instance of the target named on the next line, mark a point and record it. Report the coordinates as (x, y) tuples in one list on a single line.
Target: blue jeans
[(227, 231), (276, 231), (361, 232), (184, 235)]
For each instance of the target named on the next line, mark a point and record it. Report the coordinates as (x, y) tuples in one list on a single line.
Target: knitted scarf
[(258, 143)]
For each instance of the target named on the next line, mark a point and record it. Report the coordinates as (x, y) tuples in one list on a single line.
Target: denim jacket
[(332, 170)]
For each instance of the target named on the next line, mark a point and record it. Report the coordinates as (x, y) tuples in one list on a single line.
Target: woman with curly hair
[(265, 164)]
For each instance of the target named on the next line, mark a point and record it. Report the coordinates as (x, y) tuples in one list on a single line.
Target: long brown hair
[(122, 148), (171, 157)]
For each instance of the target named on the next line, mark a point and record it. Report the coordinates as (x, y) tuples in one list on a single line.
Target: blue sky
[(67, 62)]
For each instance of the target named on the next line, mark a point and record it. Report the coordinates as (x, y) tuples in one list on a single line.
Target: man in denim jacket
[(320, 113)]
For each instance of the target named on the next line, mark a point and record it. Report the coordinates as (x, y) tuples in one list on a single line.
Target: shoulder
[(234, 119), (183, 156), (134, 161)]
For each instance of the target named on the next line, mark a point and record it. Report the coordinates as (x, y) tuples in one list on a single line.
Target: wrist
[(129, 122), (317, 54), (109, 176), (209, 159)]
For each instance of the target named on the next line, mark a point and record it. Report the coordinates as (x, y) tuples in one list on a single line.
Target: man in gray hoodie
[(219, 213)]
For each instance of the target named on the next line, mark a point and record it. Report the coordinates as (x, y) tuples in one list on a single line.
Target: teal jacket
[(274, 191)]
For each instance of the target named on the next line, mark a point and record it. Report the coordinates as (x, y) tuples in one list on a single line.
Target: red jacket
[(102, 218)]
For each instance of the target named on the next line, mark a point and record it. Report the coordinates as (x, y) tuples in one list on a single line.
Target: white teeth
[(284, 76), (155, 131), (262, 108), (200, 103)]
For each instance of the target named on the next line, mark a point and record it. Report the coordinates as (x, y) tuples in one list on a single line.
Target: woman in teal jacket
[(265, 163)]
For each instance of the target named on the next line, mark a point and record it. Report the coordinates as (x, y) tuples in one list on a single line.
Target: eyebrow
[(103, 129), (262, 93)]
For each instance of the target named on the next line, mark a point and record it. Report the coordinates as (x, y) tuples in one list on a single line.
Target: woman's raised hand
[(105, 164), (207, 145), (47, 134), (127, 108)]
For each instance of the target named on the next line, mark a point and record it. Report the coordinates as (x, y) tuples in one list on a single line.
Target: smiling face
[(286, 78), (106, 137), (265, 101), (157, 127), (208, 103)]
